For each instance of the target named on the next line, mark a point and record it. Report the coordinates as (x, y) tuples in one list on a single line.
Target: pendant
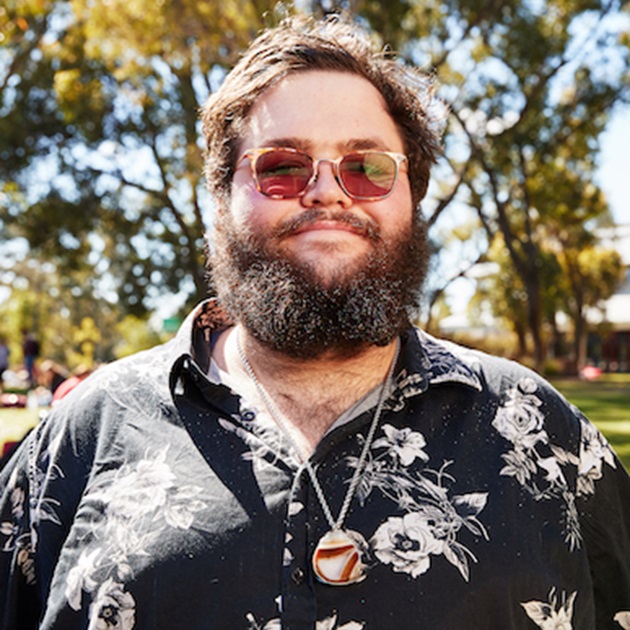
[(338, 558)]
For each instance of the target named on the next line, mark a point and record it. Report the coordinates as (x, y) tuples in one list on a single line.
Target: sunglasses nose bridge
[(334, 165)]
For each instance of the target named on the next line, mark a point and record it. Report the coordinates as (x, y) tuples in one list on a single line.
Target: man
[(299, 456), (4, 359)]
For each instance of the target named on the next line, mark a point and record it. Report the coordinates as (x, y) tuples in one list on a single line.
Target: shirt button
[(248, 415), (297, 576)]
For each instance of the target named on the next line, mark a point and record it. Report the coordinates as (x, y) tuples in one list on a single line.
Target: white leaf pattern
[(520, 420), (329, 623)]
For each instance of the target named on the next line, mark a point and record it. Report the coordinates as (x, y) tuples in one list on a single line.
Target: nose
[(324, 190)]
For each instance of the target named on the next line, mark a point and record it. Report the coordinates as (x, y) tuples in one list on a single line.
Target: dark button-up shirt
[(155, 497)]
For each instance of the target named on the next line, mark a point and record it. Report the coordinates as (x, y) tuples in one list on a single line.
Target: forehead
[(324, 111)]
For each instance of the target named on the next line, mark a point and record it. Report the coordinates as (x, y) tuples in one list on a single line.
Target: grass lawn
[(605, 401), (14, 423)]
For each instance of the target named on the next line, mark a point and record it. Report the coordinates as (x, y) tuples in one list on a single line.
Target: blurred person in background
[(78, 375), (51, 375), (4, 359), (30, 352)]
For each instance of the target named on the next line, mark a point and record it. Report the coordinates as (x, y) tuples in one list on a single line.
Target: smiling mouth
[(313, 220), (329, 226)]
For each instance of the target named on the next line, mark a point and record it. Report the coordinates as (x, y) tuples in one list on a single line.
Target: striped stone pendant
[(338, 558)]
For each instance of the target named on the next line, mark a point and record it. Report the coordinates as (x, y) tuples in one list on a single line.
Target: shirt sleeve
[(19, 596), (603, 498), (40, 488)]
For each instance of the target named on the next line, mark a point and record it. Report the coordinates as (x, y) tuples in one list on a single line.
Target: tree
[(100, 106), (84, 330), (593, 277), (532, 101), (589, 272), (502, 289), (37, 291)]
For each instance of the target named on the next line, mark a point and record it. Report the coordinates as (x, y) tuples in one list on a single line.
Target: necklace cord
[(337, 524)]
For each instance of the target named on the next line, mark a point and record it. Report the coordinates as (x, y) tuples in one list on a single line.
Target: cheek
[(254, 211), (256, 214), (395, 214), (241, 206), (246, 205)]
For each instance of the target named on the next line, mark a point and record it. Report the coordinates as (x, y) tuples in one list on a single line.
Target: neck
[(366, 362), (309, 393)]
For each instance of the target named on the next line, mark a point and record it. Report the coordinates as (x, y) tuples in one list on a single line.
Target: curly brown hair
[(301, 44)]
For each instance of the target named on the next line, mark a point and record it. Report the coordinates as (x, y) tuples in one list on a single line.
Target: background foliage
[(103, 210)]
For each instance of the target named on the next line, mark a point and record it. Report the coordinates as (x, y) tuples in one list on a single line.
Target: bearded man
[(300, 456)]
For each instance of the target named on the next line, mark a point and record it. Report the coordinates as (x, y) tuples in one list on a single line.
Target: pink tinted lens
[(368, 175), (283, 173)]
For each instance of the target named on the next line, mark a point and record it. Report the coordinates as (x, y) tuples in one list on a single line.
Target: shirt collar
[(424, 360), (199, 331)]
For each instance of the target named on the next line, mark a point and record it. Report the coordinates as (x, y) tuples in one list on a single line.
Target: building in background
[(610, 350), (608, 347)]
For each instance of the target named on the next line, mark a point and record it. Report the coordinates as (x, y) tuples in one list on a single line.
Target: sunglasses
[(283, 173)]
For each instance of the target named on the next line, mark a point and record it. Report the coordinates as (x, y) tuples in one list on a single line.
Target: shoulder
[(515, 390), (136, 376), (535, 419), (494, 373), (92, 412)]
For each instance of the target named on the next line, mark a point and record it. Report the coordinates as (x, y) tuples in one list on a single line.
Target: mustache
[(364, 227)]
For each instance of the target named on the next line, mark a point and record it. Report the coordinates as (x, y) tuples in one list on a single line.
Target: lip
[(327, 226)]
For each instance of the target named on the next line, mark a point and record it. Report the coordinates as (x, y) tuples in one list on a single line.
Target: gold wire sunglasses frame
[(285, 173)]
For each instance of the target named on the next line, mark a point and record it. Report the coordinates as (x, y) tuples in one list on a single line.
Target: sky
[(614, 168)]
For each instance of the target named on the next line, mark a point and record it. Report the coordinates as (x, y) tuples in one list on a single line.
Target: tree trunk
[(534, 316)]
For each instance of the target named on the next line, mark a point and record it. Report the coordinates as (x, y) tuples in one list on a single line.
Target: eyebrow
[(360, 144), (353, 144), (300, 144)]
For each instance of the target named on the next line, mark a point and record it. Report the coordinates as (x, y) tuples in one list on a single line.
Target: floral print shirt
[(153, 497)]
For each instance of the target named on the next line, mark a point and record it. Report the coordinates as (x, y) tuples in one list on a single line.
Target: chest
[(208, 505)]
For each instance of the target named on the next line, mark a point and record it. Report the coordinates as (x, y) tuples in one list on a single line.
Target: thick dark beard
[(288, 307)]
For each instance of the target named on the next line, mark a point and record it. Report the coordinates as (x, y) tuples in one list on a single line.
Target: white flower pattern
[(329, 623), (404, 444), (553, 614), (112, 608), (520, 420), (140, 502), (22, 540), (431, 519), (407, 543), (623, 619)]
